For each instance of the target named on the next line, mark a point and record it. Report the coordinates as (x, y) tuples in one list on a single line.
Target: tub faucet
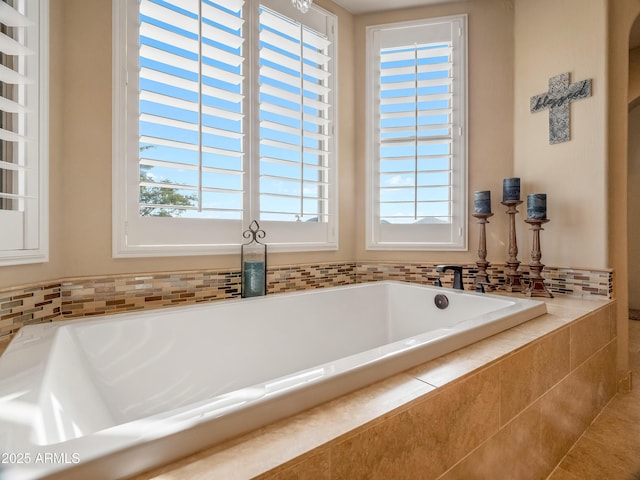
[(457, 274)]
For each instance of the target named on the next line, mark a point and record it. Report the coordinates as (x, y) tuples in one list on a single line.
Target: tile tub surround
[(609, 448), (512, 404), (88, 296)]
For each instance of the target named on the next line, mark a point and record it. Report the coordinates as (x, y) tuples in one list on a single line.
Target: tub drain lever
[(441, 301)]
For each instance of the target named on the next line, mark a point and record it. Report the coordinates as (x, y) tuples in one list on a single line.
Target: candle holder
[(253, 259), (513, 281), (536, 287), (482, 281)]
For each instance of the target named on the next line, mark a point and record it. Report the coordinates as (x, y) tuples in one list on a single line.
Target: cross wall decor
[(558, 100)]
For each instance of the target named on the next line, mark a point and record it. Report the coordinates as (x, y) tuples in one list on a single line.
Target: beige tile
[(618, 431), (528, 373), (561, 474), (512, 453), (425, 440), (470, 414), (542, 325), (576, 305), (570, 406), (291, 439), (609, 447), (606, 373), (517, 389), (568, 409), (626, 406), (391, 449), (591, 459), (589, 335), (600, 373), (565, 412), (315, 467), (613, 318), (456, 365)]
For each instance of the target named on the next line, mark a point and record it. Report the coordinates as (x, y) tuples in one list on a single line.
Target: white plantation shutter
[(415, 133), (224, 112), (191, 108), (23, 92), (416, 139), (295, 120)]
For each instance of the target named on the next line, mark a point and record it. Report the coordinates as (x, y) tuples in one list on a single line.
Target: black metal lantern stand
[(253, 258)]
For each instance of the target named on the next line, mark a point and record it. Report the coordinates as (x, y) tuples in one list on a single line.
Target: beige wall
[(81, 141), (633, 179), (586, 178), (634, 74), (498, 73), (490, 119), (80, 159), (573, 174), (621, 15)]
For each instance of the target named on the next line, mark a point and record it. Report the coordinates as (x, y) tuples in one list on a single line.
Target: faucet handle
[(457, 274), (444, 268)]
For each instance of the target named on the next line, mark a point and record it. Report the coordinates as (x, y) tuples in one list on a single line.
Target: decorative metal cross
[(557, 100)]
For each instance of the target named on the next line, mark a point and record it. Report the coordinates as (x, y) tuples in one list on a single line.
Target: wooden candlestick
[(482, 281), (513, 281), (536, 287)]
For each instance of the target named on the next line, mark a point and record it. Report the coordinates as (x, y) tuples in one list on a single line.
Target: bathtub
[(110, 397)]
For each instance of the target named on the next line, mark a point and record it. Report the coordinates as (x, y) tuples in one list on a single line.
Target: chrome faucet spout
[(457, 274)]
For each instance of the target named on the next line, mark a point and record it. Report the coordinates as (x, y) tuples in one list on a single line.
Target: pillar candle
[(537, 206), (253, 278), (482, 202), (511, 189)]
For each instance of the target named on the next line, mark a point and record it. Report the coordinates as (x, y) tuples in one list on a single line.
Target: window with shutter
[(231, 105), (416, 155), (23, 131)]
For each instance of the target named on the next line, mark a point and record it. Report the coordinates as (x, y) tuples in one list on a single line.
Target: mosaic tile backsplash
[(90, 296), (28, 305)]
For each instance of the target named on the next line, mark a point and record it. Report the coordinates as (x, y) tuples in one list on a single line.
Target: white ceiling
[(364, 6)]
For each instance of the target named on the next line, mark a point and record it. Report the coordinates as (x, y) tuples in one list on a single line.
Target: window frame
[(419, 237), (192, 236), (33, 231)]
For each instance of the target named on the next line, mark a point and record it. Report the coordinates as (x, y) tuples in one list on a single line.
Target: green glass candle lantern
[(253, 258)]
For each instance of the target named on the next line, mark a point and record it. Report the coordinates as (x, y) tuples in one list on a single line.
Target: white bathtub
[(110, 397)]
